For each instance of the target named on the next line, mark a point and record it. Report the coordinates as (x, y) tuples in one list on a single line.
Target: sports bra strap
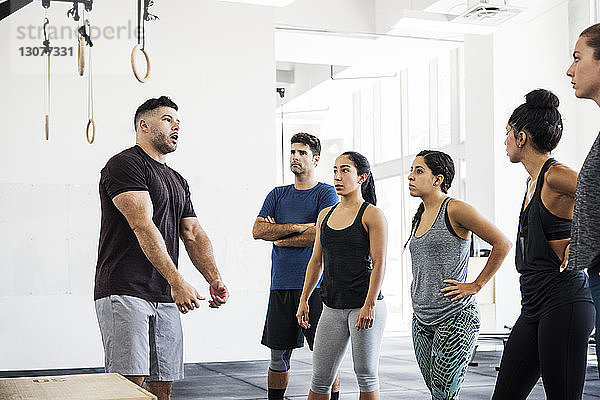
[(363, 207), (329, 213), (540, 179)]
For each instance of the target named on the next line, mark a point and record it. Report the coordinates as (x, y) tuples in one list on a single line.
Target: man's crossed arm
[(284, 235)]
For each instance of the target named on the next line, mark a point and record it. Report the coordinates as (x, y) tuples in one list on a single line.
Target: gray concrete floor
[(399, 376)]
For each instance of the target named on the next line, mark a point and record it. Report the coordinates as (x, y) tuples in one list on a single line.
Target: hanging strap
[(48, 52), (83, 37), (80, 55), (140, 22), (142, 18), (91, 125), (80, 46)]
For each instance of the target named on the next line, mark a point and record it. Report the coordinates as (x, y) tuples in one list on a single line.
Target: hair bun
[(541, 98)]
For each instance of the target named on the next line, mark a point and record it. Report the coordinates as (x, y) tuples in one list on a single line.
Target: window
[(444, 101), (390, 126), (418, 108), (389, 120), (396, 286)]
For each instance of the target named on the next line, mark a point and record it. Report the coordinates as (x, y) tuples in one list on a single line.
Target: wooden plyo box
[(72, 387)]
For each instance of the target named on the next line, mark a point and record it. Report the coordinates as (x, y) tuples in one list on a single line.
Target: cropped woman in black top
[(550, 336), (351, 240)]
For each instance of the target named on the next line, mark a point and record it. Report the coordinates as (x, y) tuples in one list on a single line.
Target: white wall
[(215, 59)]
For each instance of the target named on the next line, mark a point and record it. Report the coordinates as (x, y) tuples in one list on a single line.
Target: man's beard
[(298, 172), (163, 144), (165, 148)]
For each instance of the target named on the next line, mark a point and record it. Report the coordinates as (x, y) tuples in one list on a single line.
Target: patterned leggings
[(444, 350)]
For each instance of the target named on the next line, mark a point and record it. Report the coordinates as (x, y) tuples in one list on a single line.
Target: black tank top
[(543, 286), (347, 263)]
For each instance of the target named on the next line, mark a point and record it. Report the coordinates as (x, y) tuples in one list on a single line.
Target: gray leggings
[(336, 327)]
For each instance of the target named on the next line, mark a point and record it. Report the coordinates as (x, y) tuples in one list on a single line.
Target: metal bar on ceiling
[(84, 2), (11, 6)]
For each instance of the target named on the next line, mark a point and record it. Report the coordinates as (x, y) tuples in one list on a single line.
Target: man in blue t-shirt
[(287, 219)]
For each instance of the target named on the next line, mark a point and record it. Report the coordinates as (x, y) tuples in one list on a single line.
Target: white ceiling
[(368, 52), (403, 42), (274, 3), (386, 52)]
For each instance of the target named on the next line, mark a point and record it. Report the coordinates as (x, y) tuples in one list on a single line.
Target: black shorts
[(281, 330)]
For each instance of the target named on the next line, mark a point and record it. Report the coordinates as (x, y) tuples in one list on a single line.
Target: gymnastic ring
[(87, 131), (81, 56), (135, 71)]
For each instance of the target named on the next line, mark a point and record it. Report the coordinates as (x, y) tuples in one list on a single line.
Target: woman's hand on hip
[(459, 289)]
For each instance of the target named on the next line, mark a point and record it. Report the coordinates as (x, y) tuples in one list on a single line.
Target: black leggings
[(554, 347)]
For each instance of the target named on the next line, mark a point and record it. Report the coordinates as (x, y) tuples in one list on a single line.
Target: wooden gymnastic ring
[(81, 56), (47, 126), (87, 131), (135, 71)]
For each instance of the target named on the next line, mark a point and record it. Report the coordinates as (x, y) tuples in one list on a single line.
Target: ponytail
[(367, 190), (415, 222)]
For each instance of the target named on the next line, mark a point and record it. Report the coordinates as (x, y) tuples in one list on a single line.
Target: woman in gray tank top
[(446, 317)]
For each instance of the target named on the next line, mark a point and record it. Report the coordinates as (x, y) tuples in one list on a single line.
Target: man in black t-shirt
[(138, 292)]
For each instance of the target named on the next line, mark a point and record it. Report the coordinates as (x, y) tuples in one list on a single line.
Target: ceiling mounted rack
[(11, 6)]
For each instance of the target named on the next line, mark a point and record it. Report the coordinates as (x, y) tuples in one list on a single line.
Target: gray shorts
[(141, 338)]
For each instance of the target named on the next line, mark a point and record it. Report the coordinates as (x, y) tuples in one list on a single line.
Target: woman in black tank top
[(351, 239), (550, 337)]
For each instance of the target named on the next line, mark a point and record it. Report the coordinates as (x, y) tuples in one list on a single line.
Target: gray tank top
[(437, 255)]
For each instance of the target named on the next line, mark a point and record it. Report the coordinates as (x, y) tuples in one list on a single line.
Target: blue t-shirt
[(287, 205)]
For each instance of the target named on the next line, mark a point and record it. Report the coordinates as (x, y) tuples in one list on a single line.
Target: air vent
[(487, 14)]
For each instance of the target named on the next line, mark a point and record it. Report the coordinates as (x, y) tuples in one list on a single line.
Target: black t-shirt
[(122, 266)]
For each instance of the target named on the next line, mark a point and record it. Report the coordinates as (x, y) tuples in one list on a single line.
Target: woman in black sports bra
[(550, 337), (350, 252)]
